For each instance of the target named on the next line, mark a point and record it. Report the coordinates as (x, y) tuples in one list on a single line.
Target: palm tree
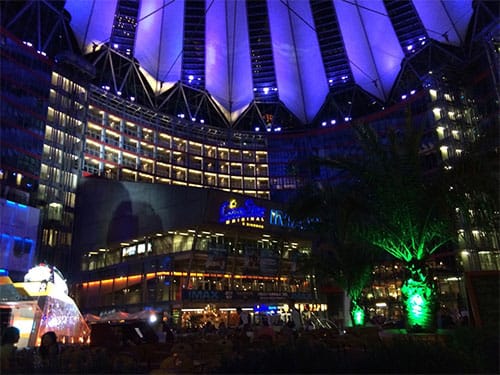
[(340, 256), (405, 210)]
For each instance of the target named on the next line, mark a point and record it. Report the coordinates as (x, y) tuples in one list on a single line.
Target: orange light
[(152, 275)]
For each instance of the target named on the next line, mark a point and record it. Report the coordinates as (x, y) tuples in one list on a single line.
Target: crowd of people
[(176, 350), (207, 349), (53, 357), (43, 359)]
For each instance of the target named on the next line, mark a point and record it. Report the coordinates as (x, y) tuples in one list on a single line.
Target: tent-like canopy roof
[(253, 59), (230, 56)]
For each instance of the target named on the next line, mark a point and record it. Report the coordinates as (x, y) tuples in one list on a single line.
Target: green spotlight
[(358, 315), (419, 304)]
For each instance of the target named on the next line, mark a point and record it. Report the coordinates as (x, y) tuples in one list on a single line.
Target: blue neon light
[(10, 203), (282, 219), (265, 308), (232, 211), (4, 272)]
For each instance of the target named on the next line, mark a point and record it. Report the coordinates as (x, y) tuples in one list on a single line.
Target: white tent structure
[(40, 305)]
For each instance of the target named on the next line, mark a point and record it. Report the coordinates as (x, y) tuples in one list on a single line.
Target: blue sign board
[(232, 212)]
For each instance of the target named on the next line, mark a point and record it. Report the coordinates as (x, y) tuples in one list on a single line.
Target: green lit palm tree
[(407, 213)]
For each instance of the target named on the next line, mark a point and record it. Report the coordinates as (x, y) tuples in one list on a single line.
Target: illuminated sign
[(282, 219), (265, 309), (144, 247), (248, 214)]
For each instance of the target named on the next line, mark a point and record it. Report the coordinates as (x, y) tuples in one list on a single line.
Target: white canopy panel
[(228, 70), (158, 44), (302, 83)]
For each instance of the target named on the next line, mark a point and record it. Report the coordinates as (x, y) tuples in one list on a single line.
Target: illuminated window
[(129, 250), (487, 261), (55, 211), (437, 113), (444, 152)]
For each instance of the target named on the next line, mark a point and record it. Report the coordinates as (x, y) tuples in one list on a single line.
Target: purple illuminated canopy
[(373, 50)]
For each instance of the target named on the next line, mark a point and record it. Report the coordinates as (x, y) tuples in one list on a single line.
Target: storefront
[(277, 314), (175, 248)]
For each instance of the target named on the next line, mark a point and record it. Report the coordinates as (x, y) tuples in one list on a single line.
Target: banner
[(238, 296)]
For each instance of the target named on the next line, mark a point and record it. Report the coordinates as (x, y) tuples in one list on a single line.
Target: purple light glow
[(372, 47), (445, 21), (228, 68), (91, 20), (158, 43), (371, 43), (300, 73)]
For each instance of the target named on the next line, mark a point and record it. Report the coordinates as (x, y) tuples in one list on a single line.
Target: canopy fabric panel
[(92, 21), (371, 44), (302, 83), (445, 21), (374, 51), (227, 67), (158, 44)]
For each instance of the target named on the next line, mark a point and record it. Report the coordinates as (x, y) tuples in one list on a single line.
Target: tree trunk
[(420, 299), (358, 315)]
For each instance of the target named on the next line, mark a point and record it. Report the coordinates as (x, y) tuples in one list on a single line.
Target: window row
[(135, 137)]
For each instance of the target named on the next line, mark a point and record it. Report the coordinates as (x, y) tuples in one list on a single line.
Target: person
[(47, 355), (244, 319), (296, 317), (167, 331), (10, 338), (208, 328), (309, 326)]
